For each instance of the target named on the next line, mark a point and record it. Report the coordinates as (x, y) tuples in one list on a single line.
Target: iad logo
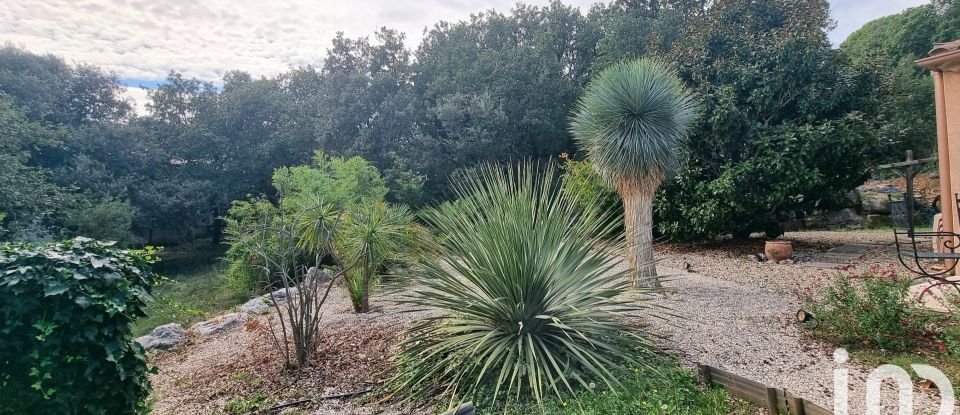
[(841, 386)]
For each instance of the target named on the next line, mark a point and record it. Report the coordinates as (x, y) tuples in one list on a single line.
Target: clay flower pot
[(778, 250)]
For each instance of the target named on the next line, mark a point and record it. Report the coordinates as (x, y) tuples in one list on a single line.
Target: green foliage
[(377, 235), (786, 123), (51, 90), (243, 273), (791, 169), (26, 193), (664, 389), (587, 189), (246, 405), (632, 121), (334, 199), (893, 43), (420, 115), (869, 309), (65, 315), (529, 295), (338, 182), (107, 220)]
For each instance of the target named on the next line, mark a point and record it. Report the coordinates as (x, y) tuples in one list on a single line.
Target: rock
[(257, 305), (875, 202), (164, 337), (815, 222), (317, 276), (845, 217), (219, 324), (786, 262), (282, 295), (754, 258), (877, 221), (853, 199)]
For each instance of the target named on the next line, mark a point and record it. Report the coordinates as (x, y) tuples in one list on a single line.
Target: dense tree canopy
[(787, 123), (894, 43)]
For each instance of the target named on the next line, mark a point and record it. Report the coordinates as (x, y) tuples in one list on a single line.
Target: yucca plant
[(633, 121), (378, 234), (529, 296)]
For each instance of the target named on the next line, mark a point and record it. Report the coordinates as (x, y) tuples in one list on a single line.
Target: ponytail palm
[(632, 121)]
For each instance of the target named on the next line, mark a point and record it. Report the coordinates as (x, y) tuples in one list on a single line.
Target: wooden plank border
[(776, 401)]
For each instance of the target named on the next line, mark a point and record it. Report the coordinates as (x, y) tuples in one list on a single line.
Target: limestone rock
[(164, 337), (257, 305), (218, 324), (874, 203)]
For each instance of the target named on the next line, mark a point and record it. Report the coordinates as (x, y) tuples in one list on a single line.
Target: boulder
[(844, 217), (875, 202), (257, 305), (815, 221), (282, 295), (317, 276), (164, 337), (853, 199), (218, 324)]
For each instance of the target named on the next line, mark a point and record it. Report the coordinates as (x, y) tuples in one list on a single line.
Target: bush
[(106, 219), (65, 315), (338, 181), (243, 273), (871, 308), (588, 190), (527, 290), (378, 235), (335, 183)]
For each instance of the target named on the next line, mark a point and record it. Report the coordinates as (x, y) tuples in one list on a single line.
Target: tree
[(767, 87), (48, 89), (512, 101), (632, 122), (26, 194), (892, 43)]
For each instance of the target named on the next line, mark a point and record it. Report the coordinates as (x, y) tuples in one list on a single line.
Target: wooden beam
[(908, 163)]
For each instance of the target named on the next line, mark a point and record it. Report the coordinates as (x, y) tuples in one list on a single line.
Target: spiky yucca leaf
[(528, 294), (374, 233), (633, 121)]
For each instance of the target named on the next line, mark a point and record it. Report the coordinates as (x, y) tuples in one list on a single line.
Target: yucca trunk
[(638, 224)]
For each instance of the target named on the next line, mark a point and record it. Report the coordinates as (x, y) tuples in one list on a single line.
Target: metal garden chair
[(929, 254)]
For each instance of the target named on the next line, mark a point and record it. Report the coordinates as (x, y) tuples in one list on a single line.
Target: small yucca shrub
[(530, 296)]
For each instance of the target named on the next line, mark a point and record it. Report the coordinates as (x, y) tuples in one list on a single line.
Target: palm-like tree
[(633, 121)]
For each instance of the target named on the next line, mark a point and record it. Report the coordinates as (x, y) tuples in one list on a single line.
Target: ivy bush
[(65, 318)]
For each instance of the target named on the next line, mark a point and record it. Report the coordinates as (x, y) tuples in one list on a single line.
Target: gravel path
[(737, 315)]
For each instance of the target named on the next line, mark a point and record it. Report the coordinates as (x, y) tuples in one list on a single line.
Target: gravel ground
[(355, 353), (737, 315)]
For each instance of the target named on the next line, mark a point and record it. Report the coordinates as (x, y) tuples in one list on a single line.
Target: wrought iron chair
[(912, 245)]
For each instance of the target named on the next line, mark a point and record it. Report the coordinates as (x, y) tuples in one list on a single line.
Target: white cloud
[(145, 39), (137, 96)]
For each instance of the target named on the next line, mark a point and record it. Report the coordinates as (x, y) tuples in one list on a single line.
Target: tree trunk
[(365, 297), (638, 224)]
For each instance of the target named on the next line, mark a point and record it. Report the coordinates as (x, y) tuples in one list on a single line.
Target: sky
[(143, 40)]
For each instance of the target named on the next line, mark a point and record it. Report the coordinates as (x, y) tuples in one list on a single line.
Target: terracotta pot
[(778, 250)]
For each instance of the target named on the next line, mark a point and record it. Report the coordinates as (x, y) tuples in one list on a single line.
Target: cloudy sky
[(142, 40)]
